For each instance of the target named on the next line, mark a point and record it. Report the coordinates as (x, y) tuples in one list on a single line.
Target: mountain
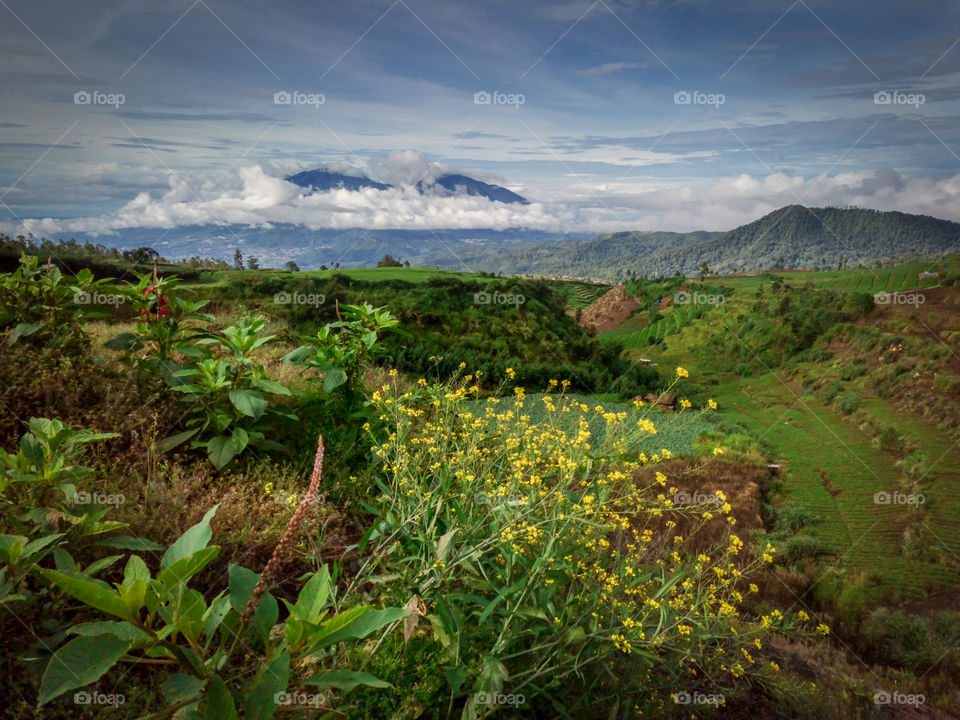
[(353, 247), (323, 180), (791, 237), (456, 184), (446, 185)]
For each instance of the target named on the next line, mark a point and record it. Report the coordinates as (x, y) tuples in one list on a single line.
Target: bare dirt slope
[(608, 311)]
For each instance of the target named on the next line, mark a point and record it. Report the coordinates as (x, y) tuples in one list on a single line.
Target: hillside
[(416, 460), (794, 237)]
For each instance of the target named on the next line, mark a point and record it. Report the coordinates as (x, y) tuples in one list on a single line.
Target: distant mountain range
[(791, 237), (445, 185)]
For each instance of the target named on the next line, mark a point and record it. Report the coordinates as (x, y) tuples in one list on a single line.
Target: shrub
[(539, 560), (853, 371), (851, 403)]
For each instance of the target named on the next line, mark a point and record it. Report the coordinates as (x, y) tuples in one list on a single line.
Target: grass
[(833, 471)]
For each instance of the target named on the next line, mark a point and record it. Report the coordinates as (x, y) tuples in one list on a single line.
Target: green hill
[(791, 237)]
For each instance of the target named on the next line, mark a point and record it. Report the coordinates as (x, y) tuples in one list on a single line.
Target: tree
[(238, 259), (141, 255), (704, 270), (252, 263), (292, 266), (324, 267), (389, 261)]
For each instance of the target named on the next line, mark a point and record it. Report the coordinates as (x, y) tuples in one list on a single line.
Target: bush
[(853, 371), (539, 558), (831, 390), (851, 403)]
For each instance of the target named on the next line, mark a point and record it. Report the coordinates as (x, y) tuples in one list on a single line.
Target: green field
[(833, 470)]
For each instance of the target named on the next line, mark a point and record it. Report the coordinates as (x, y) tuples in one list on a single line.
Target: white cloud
[(255, 197), (608, 68)]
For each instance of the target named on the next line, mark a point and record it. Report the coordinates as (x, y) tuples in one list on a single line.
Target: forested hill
[(791, 237)]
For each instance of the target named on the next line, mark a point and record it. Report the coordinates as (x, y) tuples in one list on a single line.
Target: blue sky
[(594, 130)]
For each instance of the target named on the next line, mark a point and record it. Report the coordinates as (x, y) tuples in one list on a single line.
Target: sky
[(608, 115)]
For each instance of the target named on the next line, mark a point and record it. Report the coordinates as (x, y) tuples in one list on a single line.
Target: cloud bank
[(255, 196)]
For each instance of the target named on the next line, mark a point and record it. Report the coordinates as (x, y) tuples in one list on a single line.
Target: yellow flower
[(823, 629), (268, 488), (510, 373), (682, 373), (802, 614), (712, 403), (393, 372)]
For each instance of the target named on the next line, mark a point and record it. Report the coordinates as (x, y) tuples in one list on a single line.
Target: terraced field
[(671, 324), (579, 294), (833, 470)]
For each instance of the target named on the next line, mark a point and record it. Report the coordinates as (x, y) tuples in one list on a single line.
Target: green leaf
[(35, 546), (136, 569), (345, 680), (355, 623), (261, 703), (185, 568), (169, 443), (196, 538), (242, 582), (128, 542), (182, 687), (272, 387), (313, 597), (333, 378), (123, 630), (22, 330), (248, 402), (90, 592), (222, 448), (80, 662), (219, 705), (266, 615), (443, 546), (98, 565)]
